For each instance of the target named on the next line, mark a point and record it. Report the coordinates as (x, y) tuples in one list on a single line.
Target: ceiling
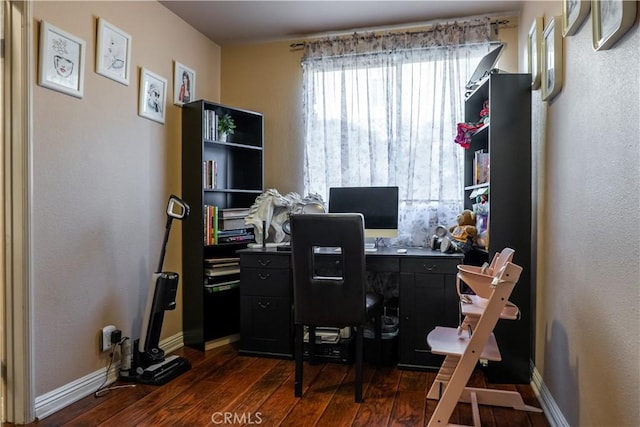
[(241, 22)]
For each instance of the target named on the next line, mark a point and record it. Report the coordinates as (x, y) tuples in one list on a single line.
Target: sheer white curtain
[(382, 110)]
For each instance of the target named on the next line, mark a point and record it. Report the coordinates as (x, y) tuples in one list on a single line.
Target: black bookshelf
[(507, 139), (239, 169)]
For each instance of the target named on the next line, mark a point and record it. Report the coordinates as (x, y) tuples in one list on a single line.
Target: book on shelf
[(209, 174), (235, 231), (221, 277), (222, 271), (232, 223), (231, 213), (219, 287), (210, 125), (226, 260), (240, 238), (213, 235), (220, 264), (210, 224), (480, 167)]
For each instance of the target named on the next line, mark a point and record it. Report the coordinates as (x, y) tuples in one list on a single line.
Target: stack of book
[(226, 226), (232, 227), (221, 274)]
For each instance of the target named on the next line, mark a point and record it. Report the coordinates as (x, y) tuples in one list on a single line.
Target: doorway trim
[(17, 204)]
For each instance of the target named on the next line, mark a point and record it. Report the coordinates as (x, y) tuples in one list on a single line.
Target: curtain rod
[(497, 22)]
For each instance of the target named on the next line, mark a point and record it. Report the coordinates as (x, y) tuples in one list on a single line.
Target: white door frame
[(17, 204)]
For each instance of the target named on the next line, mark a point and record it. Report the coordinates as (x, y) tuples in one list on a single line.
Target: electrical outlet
[(105, 343)]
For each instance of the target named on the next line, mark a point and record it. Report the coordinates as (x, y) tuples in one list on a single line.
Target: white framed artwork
[(573, 13), (184, 84), (610, 20), (153, 96), (552, 69), (534, 41), (61, 60), (113, 52)]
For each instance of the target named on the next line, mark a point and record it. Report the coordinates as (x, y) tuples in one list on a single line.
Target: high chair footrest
[(446, 341)]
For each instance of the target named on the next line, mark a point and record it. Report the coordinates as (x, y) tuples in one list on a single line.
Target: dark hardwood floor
[(259, 391)]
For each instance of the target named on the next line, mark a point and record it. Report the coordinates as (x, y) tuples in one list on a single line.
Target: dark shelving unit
[(507, 139), (240, 176)]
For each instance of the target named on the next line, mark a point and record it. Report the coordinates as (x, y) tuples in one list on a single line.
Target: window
[(385, 113)]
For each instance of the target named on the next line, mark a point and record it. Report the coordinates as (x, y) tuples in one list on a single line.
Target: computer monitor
[(378, 205), (484, 67)]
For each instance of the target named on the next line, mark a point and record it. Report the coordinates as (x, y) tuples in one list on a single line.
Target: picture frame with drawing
[(113, 52), (573, 14), (184, 84), (61, 60), (534, 41), (611, 19), (152, 96), (552, 69)]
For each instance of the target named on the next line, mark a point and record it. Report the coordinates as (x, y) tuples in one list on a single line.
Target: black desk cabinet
[(427, 298), (266, 304)]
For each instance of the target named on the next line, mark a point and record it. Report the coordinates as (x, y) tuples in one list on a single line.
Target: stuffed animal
[(460, 238)]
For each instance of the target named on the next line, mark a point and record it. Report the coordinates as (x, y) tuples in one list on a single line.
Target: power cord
[(101, 391)]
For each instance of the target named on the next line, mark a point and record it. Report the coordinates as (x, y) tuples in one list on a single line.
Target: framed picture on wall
[(533, 52), (611, 19), (184, 84), (573, 13), (61, 60), (552, 59), (113, 52), (153, 96)]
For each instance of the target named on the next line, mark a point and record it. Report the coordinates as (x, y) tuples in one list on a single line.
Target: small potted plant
[(226, 127)]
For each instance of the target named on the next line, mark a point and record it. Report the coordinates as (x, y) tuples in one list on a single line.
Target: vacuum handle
[(178, 209)]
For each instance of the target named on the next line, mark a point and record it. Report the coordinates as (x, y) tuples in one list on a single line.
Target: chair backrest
[(328, 269), (500, 259)]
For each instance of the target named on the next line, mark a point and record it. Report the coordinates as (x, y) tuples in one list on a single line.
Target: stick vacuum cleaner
[(145, 363)]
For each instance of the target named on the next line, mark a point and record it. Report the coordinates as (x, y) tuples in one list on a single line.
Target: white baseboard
[(61, 397), (552, 411)]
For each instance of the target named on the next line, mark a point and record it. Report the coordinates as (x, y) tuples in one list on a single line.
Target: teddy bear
[(460, 238)]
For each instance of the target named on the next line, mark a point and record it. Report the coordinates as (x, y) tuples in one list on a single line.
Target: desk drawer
[(388, 264), (260, 260), (265, 282), (429, 265)]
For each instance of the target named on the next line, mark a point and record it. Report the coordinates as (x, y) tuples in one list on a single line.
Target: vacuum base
[(163, 372)]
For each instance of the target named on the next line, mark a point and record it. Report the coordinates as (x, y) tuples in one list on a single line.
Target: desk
[(427, 298)]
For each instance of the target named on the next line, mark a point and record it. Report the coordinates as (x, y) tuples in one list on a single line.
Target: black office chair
[(335, 298)]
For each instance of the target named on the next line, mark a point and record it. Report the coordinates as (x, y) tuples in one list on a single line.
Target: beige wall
[(586, 158), (101, 179), (101, 176), (587, 178), (267, 78)]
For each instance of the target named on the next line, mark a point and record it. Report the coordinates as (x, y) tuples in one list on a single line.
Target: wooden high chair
[(473, 340)]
